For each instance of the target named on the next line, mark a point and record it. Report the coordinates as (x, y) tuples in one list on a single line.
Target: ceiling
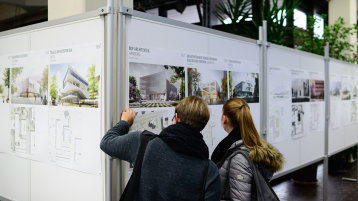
[(18, 13)]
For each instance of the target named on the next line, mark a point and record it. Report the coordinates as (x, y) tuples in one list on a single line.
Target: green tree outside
[(93, 82)]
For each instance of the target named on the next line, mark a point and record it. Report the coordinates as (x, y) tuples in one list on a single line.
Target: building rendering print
[(210, 85), (346, 91), (300, 90), (74, 85), (246, 86), (335, 89), (29, 86), (4, 85), (317, 90), (153, 85)]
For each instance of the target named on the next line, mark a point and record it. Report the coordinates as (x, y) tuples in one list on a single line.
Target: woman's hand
[(128, 115)]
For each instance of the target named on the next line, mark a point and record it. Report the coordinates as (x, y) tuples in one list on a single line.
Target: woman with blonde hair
[(237, 182)]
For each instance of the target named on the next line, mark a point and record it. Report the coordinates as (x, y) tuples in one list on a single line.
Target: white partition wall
[(50, 103), (296, 105), (343, 93), (210, 57)]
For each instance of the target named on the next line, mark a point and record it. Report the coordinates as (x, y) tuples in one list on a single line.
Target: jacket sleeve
[(213, 184), (117, 142), (240, 178)]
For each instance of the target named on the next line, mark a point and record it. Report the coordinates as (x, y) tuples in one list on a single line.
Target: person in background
[(175, 163), (236, 178)]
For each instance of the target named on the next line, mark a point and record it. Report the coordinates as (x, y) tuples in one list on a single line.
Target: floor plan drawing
[(23, 130), (316, 121), (63, 142)]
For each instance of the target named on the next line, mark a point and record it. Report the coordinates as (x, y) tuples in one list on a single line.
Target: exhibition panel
[(51, 80)]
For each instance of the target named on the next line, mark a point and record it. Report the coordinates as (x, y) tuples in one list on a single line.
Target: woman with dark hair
[(236, 174)]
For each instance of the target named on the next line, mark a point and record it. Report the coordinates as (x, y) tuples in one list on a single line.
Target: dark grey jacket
[(166, 175), (236, 177)]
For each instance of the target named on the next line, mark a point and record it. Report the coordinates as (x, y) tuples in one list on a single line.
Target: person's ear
[(224, 119), (177, 119)]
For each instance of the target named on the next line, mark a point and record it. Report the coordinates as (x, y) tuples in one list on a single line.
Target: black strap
[(132, 187), (202, 194)]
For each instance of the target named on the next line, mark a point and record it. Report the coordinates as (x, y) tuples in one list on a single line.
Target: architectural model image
[(210, 85), (300, 90), (73, 84), (154, 121), (246, 86), (29, 85), (317, 90), (153, 85)]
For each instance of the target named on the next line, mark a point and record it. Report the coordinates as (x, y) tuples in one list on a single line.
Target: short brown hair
[(194, 112)]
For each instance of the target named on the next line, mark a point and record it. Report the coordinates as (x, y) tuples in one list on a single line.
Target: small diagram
[(346, 91), (276, 123), (316, 119), (74, 84), (210, 85), (23, 130), (335, 89), (63, 142), (354, 111), (29, 85), (297, 120), (4, 85), (300, 90), (153, 85), (154, 121), (245, 85), (317, 90), (354, 91)]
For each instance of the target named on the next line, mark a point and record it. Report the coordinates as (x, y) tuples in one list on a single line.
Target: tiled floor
[(338, 190)]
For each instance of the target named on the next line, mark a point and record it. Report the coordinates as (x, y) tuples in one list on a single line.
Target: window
[(318, 26), (300, 19)]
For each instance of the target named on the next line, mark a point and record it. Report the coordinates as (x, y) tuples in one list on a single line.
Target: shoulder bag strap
[(133, 183), (202, 194), (263, 188)]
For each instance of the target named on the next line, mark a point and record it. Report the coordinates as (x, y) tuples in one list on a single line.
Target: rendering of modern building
[(317, 89), (210, 92), (74, 87), (30, 88), (157, 87), (300, 88), (244, 88)]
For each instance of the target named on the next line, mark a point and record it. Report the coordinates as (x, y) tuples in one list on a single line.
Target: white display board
[(343, 106), (50, 89), (296, 105), (170, 62)]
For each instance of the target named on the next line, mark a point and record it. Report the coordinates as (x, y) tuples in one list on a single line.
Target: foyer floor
[(338, 190)]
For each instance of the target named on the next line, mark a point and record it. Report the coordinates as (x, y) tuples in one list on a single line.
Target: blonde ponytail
[(238, 111)]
